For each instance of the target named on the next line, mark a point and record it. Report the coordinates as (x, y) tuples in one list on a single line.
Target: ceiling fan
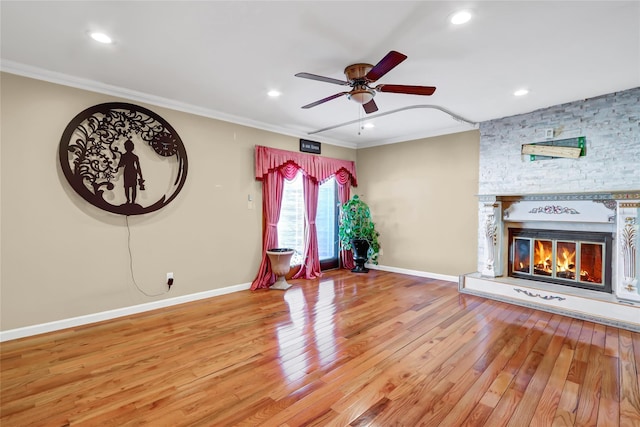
[(359, 76)]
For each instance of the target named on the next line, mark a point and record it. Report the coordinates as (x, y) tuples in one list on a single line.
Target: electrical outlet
[(548, 133), (170, 279)]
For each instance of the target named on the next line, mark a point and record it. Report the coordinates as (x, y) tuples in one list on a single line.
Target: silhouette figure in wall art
[(131, 164)]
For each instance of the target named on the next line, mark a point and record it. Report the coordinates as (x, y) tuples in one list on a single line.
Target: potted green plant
[(357, 232)]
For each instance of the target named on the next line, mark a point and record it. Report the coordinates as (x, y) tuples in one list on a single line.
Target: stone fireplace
[(561, 234), (575, 254), (560, 239)]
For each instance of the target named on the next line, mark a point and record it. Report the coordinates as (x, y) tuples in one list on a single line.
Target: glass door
[(327, 224), (291, 230)]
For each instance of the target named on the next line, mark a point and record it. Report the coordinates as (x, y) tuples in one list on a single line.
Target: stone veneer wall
[(611, 125)]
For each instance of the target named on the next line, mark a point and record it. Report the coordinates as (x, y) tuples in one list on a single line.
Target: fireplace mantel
[(617, 213), (601, 197)]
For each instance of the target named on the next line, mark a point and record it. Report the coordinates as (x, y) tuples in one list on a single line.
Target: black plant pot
[(360, 251)]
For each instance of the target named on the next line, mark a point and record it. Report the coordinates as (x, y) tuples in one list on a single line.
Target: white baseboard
[(57, 325), (72, 322), (413, 272)]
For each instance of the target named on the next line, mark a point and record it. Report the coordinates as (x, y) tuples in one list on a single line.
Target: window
[(291, 223), (291, 233)]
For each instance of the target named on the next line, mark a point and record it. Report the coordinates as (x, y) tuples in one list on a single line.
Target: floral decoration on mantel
[(554, 210)]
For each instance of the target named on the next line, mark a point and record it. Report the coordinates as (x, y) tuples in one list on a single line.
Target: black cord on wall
[(131, 262)]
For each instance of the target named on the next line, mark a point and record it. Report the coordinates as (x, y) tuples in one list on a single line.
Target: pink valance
[(318, 167)]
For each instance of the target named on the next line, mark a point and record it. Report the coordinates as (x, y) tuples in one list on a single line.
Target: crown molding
[(94, 86)]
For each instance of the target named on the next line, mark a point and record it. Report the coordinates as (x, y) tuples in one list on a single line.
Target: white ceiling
[(220, 59)]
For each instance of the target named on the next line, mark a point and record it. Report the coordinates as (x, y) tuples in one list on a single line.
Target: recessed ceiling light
[(521, 92), (101, 37), (274, 93), (369, 125), (460, 17)]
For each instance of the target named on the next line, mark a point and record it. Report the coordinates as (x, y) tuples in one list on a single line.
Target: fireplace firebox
[(572, 258)]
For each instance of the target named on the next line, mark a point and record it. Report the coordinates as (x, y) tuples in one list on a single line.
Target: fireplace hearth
[(570, 258)]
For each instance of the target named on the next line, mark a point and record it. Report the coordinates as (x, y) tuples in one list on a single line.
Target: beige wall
[(61, 257), (422, 196)]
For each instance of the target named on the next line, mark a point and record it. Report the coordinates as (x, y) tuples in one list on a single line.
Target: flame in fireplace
[(567, 261), (542, 257)]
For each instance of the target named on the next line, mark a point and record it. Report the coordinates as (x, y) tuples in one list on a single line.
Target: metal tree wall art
[(105, 149)]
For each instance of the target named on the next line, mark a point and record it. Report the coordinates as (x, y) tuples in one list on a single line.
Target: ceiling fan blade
[(386, 64), (322, 79), (323, 100), (370, 107), (411, 90)]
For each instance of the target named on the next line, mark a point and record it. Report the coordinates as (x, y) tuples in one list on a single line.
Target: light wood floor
[(380, 349)]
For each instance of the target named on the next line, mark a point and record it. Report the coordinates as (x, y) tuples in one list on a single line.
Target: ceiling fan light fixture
[(361, 96)]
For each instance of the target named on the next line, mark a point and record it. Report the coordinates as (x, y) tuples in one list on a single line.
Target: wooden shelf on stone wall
[(550, 151), (571, 148)]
